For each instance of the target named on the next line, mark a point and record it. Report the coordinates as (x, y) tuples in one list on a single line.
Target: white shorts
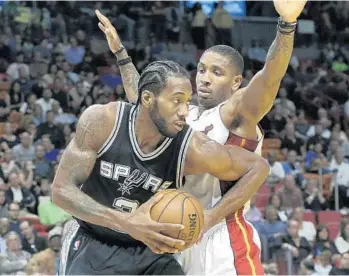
[(231, 247)]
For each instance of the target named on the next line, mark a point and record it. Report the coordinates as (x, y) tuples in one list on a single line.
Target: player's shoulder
[(105, 112)]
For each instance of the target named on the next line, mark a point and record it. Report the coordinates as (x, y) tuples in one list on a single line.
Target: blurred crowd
[(54, 64)]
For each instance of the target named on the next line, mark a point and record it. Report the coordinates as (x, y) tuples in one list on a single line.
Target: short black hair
[(234, 57), (155, 75)]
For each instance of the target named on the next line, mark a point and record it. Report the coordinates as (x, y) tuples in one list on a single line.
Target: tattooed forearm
[(76, 165), (278, 58), (130, 78)]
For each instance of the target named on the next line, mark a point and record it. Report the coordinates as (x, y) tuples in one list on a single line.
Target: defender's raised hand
[(289, 10), (110, 32)]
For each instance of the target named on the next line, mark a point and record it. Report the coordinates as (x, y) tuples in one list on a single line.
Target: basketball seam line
[(167, 205)]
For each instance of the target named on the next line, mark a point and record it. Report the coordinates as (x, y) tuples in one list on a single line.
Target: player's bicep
[(207, 156)]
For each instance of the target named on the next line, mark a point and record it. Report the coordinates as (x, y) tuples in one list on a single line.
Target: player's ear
[(147, 98), (236, 82)]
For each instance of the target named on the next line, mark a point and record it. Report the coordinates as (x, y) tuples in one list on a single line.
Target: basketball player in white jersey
[(230, 115)]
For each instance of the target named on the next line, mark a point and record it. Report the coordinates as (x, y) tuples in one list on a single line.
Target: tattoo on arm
[(130, 78), (278, 57), (76, 165)]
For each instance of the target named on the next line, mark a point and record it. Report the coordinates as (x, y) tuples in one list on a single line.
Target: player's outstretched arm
[(260, 93), (76, 165), (226, 163), (129, 74)]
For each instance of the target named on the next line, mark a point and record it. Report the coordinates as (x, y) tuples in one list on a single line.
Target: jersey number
[(125, 205)]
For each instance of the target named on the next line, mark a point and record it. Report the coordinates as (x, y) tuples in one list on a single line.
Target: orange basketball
[(180, 208)]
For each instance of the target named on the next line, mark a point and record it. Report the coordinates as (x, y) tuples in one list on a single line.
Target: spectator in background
[(50, 152), (315, 160), (253, 214), (55, 241), (20, 195), (290, 195), (322, 241), (4, 229), (46, 101), (276, 174), (74, 54), (323, 264), (343, 266), (271, 227), (256, 53), (15, 259), (299, 246), (313, 198), (49, 128), (276, 202), (292, 167), (306, 228), (318, 137), (32, 243), (3, 205), (342, 241), (42, 263), (16, 96), (8, 164), (26, 175), (278, 120), (287, 106), (198, 24), (13, 69), (290, 142), (301, 125), (223, 24), (43, 168), (14, 209), (49, 213), (38, 115), (25, 150), (8, 137)]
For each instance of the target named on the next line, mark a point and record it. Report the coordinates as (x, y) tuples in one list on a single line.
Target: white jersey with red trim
[(205, 187)]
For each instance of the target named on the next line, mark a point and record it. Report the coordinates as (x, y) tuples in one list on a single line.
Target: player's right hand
[(141, 227), (110, 32)]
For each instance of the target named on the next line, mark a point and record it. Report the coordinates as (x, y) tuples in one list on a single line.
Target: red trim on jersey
[(246, 253)]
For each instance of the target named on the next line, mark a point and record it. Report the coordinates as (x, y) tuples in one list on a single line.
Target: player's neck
[(147, 134)]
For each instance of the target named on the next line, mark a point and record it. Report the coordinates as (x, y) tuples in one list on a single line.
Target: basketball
[(180, 208)]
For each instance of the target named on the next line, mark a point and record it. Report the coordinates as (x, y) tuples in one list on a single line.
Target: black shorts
[(88, 256)]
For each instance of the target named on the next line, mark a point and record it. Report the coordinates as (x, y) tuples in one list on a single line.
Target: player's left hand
[(289, 10), (110, 32)]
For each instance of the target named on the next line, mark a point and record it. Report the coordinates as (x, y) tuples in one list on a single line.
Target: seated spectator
[(315, 160), (276, 174), (271, 227), (287, 105), (301, 126), (49, 213), (17, 194), (29, 105), (8, 164), (42, 263), (15, 259), (291, 142), (333, 146), (46, 101), (3, 205), (55, 241), (4, 229), (313, 198), (318, 138), (299, 246), (343, 266), (337, 131), (51, 154), (290, 195), (32, 243), (306, 228), (292, 167), (276, 202), (13, 210), (342, 241), (25, 150), (341, 179), (43, 168), (56, 134), (8, 137), (323, 264), (26, 175), (253, 214), (322, 241)]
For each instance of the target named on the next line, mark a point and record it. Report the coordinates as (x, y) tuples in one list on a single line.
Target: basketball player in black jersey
[(122, 154)]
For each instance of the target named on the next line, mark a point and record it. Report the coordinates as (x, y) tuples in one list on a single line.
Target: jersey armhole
[(181, 158), (106, 145)]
